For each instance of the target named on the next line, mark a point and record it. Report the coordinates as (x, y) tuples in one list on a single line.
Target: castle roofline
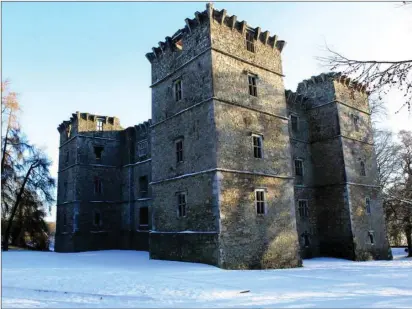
[(221, 17), (141, 127), (336, 76), (79, 115)]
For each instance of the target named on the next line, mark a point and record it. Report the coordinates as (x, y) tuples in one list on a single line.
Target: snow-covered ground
[(118, 279)]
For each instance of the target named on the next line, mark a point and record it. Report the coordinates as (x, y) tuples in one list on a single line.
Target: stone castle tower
[(231, 170)]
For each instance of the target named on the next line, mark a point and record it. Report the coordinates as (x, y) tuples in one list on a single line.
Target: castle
[(232, 170)]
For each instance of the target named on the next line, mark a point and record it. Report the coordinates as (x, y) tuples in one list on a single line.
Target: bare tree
[(381, 76), (398, 192)]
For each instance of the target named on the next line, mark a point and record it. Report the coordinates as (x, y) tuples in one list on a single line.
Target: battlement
[(114, 121), (174, 43), (294, 97), (144, 127), (332, 76)]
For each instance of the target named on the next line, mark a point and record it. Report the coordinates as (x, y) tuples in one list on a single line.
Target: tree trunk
[(3, 153), (14, 209), (408, 232)]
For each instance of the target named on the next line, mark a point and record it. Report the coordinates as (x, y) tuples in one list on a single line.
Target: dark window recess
[(67, 157), (294, 121), (298, 167), (64, 219), (98, 152), (97, 185), (260, 202), (362, 168), (97, 218), (252, 85), (143, 186), (306, 239), (178, 90), (250, 41), (371, 239), (144, 216), (65, 190), (181, 204), (303, 209), (257, 146), (368, 205), (179, 151), (356, 123)]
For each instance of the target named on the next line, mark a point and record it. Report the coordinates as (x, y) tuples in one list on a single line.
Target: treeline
[(394, 159), (27, 187)]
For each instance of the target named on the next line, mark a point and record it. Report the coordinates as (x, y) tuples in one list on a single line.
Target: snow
[(126, 279)]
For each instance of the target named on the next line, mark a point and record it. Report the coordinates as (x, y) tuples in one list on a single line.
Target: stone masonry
[(232, 170)]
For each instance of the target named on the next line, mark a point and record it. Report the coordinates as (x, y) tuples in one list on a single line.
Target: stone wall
[(234, 139), (230, 39), (196, 128), (249, 240), (364, 223), (334, 222), (185, 247), (201, 211), (231, 84), (196, 81)]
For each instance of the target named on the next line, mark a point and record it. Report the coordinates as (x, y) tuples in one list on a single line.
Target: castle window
[(98, 152), (67, 157), (179, 44), (250, 41), (303, 208), (143, 216), (294, 121), (368, 205), (142, 148), (178, 90), (143, 186), (97, 185), (99, 124), (260, 201), (356, 122), (252, 85), (371, 238), (64, 219), (179, 150), (306, 239), (257, 146), (75, 222), (362, 168), (65, 190), (298, 167), (97, 218), (181, 204), (68, 130)]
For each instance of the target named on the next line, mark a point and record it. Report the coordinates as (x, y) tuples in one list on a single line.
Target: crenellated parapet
[(174, 43), (327, 77), (296, 100), (143, 128), (77, 117)]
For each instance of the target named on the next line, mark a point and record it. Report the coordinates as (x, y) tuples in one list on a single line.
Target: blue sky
[(64, 57)]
